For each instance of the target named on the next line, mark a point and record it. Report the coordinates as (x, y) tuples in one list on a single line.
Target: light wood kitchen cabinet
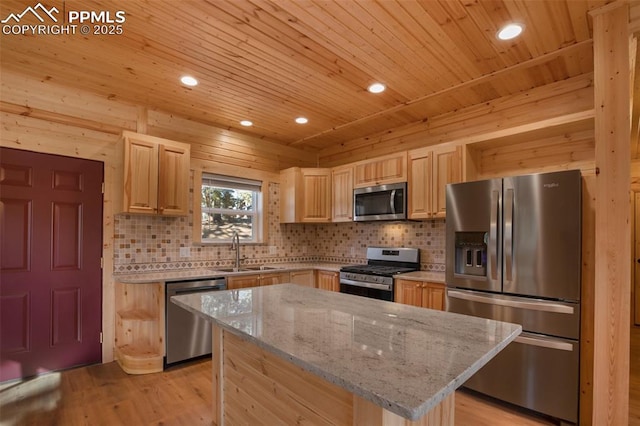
[(327, 280), (305, 195), (235, 282), (342, 194), (381, 170), (274, 278), (306, 278), (430, 170), (156, 175), (420, 293), (139, 333)]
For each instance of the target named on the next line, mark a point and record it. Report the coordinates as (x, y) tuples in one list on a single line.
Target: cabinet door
[(173, 178), (140, 176), (274, 278), (305, 278), (328, 281), (316, 184), (242, 281), (420, 185), (290, 195), (447, 168), (342, 194), (433, 296), (378, 171), (408, 292)]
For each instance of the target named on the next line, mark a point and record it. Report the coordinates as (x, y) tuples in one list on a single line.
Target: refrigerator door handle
[(493, 236), (529, 339), (508, 235), (533, 305)]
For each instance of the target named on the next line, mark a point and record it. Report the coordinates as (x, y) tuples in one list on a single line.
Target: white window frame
[(229, 182)]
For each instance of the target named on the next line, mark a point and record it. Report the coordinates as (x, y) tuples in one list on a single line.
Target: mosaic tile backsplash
[(150, 243)]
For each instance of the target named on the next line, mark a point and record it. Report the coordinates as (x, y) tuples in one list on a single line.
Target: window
[(228, 205)]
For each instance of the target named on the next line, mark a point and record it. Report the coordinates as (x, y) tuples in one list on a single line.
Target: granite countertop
[(402, 358), (432, 277), (186, 274)]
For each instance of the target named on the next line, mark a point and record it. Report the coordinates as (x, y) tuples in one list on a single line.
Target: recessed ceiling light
[(376, 88), (187, 80), (510, 31), (302, 120), (246, 123)]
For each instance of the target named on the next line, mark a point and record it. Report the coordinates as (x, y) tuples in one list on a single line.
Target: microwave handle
[(392, 201)]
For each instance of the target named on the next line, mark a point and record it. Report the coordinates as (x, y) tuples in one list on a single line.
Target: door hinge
[(101, 337), (102, 263), (102, 187)]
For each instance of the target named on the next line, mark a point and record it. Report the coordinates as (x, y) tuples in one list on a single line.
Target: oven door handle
[(386, 287)]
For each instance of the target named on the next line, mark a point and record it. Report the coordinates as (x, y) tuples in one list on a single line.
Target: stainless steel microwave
[(382, 202)]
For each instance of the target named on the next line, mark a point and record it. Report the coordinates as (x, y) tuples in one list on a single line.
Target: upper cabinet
[(342, 199), (381, 170), (156, 175), (430, 170), (305, 195)]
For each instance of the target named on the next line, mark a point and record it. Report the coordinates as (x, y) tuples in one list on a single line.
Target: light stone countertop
[(211, 272), (432, 277), (402, 358)]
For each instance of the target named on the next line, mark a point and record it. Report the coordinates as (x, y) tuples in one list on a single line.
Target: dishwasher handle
[(200, 289)]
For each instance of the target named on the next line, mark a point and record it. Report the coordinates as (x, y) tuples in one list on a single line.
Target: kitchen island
[(288, 354)]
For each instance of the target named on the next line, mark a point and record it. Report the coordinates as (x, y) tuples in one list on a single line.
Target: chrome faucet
[(235, 245)]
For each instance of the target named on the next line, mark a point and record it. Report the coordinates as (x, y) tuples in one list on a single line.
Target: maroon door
[(50, 272)]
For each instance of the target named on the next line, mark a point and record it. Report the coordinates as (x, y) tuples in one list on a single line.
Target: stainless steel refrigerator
[(513, 253)]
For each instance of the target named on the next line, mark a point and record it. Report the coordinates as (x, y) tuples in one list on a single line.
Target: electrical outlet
[(185, 251), (352, 251), (273, 250)]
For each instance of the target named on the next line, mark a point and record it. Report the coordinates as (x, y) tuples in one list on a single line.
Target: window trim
[(261, 212)]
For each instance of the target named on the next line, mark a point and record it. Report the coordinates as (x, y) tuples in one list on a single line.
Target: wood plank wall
[(555, 100), (54, 102)]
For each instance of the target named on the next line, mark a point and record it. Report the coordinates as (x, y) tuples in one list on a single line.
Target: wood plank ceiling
[(270, 61)]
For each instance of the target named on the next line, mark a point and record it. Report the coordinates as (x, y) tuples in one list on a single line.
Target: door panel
[(14, 323), (51, 278), (67, 236), (15, 248), (474, 214), (541, 253), (65, 316)]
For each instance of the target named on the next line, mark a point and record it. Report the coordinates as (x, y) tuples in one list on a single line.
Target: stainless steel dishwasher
[(187, 335)]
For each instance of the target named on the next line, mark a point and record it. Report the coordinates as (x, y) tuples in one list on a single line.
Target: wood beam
[(612, 236)]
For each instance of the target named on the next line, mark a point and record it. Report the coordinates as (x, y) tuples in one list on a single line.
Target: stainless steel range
[(375, 279)]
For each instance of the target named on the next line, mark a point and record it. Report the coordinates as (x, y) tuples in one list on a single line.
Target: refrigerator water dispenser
[(471, 253)]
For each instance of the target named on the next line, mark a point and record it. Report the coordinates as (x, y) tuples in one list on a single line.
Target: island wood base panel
[(253, 386)]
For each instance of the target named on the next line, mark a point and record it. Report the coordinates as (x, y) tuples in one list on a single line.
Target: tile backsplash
[(150, 243)]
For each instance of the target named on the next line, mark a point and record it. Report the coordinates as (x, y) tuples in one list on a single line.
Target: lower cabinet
[(420, 293), (274, 278), (139, 344), (328, 280), (235, 282), (306, 278)]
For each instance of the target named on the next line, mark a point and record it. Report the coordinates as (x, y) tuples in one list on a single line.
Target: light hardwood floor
[(105, 395)]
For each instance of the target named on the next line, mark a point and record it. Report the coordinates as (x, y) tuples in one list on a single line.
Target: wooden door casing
[(50, 262)]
